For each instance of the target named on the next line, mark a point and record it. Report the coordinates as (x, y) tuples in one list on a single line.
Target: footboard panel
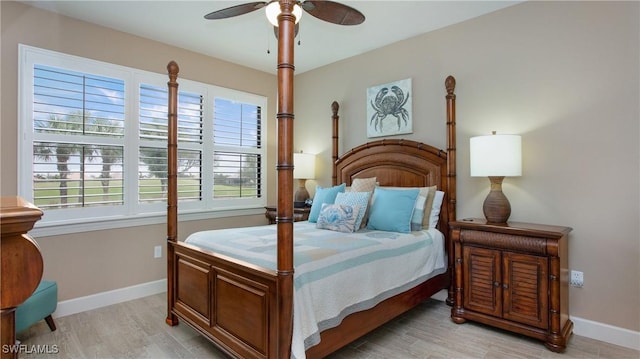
[(232, 303)]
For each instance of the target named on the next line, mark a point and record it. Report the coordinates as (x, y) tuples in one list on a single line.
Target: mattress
[(336, 273)]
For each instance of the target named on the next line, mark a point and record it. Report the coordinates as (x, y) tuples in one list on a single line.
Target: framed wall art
[(389, 109)]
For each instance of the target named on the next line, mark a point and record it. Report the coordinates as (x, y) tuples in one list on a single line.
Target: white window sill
[(42, 229)]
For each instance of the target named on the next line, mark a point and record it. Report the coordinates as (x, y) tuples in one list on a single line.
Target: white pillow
[(434, 216)]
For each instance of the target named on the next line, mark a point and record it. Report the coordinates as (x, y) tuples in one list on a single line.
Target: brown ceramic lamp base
[(301, 194), (496, 206)]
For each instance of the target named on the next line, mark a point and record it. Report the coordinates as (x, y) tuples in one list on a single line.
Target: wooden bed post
[(450, 85), (334, 116), (172, 186), (284, 219)]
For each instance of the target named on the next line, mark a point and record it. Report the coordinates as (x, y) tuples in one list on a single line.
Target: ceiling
[(249, 40)]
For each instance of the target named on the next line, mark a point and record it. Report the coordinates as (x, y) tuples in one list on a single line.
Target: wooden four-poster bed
[(238, 305), (246, 309)]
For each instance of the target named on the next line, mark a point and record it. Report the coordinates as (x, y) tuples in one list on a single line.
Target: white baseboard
[(583, 327), (99, 300), (606, 333), (590, 329)]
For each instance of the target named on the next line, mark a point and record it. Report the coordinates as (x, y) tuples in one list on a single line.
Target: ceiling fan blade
[(235, 10), (333, 12)]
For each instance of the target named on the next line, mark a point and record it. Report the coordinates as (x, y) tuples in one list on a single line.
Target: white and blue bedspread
[(336, 273)]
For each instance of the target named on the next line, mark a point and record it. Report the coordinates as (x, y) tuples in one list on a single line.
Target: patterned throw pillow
[(360, 199), (338, 217), (428, 206), (418, 213)]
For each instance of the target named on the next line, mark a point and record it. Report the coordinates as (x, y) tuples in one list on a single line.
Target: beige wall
[(565, 76), (88, 263)]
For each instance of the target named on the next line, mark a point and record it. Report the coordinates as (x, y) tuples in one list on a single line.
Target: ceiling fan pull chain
[(268, 42)]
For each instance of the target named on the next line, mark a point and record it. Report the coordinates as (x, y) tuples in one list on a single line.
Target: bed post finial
[(334, 108), (173, 70), (450, 84)]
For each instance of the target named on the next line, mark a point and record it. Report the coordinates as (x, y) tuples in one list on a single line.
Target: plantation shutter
[(152, 159), (237, 159), (78, 122)]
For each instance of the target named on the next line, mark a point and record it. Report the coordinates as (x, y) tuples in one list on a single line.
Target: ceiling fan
[(329, 11)]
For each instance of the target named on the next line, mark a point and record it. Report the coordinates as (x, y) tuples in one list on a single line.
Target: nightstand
[(513, 276), (299, 214)]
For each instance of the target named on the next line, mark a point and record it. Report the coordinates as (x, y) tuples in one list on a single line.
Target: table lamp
[(304, 168), (496, 156)]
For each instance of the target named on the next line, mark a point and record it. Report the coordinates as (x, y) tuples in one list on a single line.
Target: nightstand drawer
[(533, 245)]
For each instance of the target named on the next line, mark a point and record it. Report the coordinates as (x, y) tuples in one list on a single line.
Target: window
[(94, 143), (237, 157), (73, 115)]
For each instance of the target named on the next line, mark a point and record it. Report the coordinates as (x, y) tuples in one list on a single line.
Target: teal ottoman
[(40, 305)]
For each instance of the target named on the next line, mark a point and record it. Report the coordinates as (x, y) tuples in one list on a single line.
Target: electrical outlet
[(157, 251), (577, 279)]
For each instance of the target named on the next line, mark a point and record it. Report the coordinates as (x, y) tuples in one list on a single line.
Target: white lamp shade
[(273, 10), (496, 155), (304, 166)]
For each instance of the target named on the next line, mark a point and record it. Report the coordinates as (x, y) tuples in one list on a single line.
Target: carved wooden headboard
[(402, 163)]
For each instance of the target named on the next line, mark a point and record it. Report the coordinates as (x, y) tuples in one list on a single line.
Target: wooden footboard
[(232, 303)]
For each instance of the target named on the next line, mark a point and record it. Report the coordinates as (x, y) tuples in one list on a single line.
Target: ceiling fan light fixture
[(273, 10)]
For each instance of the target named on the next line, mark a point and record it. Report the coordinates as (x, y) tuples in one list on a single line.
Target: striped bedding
[(336, 273)]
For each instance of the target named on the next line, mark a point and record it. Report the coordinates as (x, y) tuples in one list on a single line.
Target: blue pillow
[(360, 199), (323, 195), (392, 209)]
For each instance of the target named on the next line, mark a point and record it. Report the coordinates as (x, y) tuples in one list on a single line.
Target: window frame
[(132, 212)]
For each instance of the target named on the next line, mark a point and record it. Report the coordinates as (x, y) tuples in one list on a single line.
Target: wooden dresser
[(513, 276), (21, 264)]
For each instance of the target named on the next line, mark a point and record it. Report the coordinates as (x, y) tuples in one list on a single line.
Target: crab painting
[(386, 104)]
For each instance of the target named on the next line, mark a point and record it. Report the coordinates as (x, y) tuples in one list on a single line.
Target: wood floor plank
[(137, 329)]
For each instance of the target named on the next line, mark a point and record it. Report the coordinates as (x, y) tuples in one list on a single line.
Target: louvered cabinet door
[(482, 280), (525, 287)]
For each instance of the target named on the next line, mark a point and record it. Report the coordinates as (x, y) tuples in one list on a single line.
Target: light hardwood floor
[(136, 329)]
